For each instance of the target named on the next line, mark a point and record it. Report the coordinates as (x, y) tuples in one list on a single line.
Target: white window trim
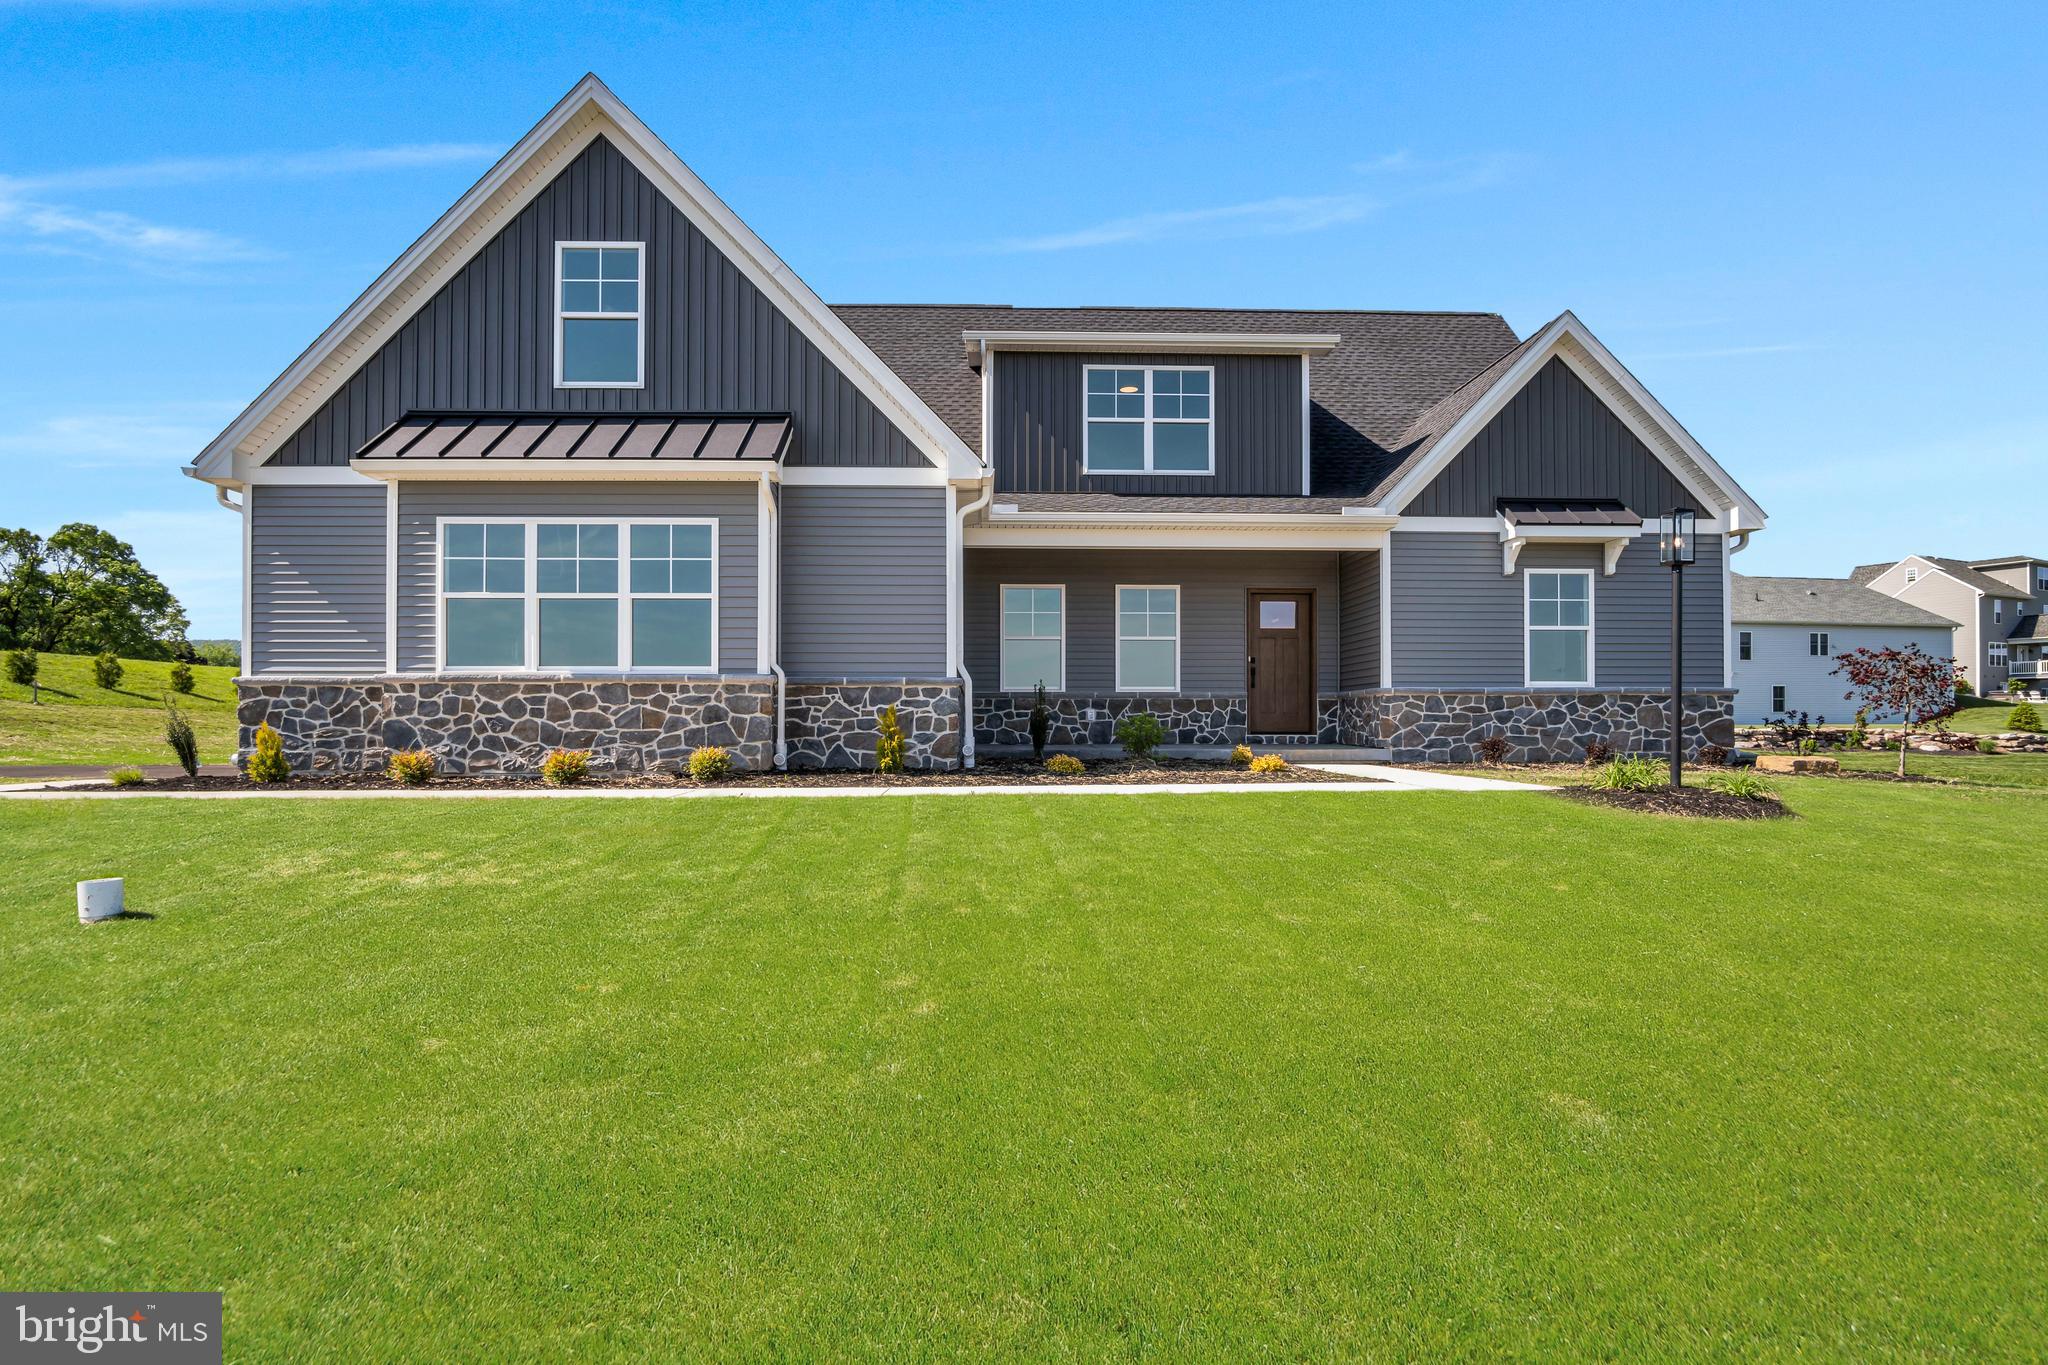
[(1117, 625), (1745, 646), (1592, 619), (532, 597), (1778, 699), (1817, 644), (639, 316), (1003, 636), (1148, 421)]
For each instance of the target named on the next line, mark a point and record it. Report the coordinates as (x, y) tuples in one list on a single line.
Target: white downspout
[(770, 625), (241, 509), (957, 615)]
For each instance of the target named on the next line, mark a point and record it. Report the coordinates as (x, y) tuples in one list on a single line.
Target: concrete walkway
[(1383, 779), (17, 772)]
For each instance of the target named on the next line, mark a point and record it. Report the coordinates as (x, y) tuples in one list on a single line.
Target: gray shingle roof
[(1823, 602), (1983, 582), (1862, 574), (1370, 396), (2030, 628)]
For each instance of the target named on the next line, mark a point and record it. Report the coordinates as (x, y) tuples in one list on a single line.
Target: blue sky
[(1817, 233)]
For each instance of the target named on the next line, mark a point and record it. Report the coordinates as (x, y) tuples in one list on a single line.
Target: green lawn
[(1220, 1077), (79, 721)]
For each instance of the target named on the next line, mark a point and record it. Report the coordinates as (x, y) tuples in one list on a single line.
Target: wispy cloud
[(1394, 178), (127, 438), (33, 207)]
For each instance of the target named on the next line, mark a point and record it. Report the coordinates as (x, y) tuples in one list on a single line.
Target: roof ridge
[(1194, 308)]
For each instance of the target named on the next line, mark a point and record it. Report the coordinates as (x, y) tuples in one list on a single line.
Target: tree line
[(83, 591)]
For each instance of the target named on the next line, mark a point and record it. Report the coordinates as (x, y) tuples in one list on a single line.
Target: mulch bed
[(1696, 802), (1003, 772)]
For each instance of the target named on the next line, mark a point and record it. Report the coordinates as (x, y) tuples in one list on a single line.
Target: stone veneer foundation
[(836, 724), (507, 725), (1005, 718)]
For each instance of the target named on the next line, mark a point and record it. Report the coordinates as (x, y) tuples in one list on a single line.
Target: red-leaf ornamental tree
[(1919, 687)]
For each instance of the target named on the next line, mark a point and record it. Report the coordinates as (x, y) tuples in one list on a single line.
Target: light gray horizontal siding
[(1780, 658), (734, 504), (1458, 621), (1554, 439), (1039, 418), (1358, 589), (316, 579), (863, 582), (1213, 585), (715, 343)]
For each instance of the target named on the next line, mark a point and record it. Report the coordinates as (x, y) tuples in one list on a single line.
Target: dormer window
[(1912, 577), (1149, 420), (599, 340)]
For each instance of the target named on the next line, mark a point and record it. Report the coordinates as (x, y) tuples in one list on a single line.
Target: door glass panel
[(1276, 615)]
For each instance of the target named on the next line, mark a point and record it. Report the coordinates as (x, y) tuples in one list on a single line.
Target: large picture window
[(1560, 627), (599, 288), (1034, 637), (1149, 420), (553, 595), (1147, 639)]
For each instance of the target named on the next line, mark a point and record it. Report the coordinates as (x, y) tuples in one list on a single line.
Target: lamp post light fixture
[(1675, 550)]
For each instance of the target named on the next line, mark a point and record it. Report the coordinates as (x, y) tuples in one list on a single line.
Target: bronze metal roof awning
[(618, 441), (1567, 512), (1606, 522)]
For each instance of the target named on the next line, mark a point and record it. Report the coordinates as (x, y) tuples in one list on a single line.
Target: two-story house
[(1998, 603), (590, 466)]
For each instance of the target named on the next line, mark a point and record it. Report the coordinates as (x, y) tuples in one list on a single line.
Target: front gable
[(484, 341), (1555, 438)]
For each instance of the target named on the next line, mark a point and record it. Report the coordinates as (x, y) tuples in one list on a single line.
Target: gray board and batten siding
[(733, 504), (316, 578), (1038, 426), (863, 582), (1458, 621), (1214, 587), (715, 343), (1554, 439)]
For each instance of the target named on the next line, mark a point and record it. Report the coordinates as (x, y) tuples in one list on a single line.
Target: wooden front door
[(1281, 664)]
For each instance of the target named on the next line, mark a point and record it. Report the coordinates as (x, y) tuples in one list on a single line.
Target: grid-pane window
[(670, 579), (1745, 644), (1561, 628), (483, 582), (1147, 639), (1149, 420), (598, 315), (1034, 638), (1817, 644)]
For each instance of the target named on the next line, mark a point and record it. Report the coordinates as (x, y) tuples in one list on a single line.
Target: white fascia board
[(1277, 520), (1489, 525), (986, 536), (978, 341), (1547, 345), (862, 476), (600, 112), (566, 471)]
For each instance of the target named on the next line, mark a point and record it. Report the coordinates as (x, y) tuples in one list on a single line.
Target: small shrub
[(1743, 782), (1140, 733), (1493, 750), (1794, 728), (1269, 763), (2025, 717), (1241, 756), (710, 763), (1630, 775), (1809, 746), (1041, 722), (565, 767), (1065, 765), (1715, 755), (22, 667), (126, 777), (1598, 752), (1963, 688), (107, 670), (2015, 686), (267, 762), (889, 743), (181, 677), (178, 733), (1860, 731), (411, 767), (1987, 746)]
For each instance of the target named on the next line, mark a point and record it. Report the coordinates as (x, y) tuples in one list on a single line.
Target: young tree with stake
[(1918, 686)]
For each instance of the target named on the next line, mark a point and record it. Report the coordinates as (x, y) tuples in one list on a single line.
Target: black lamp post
[(1675, 551)]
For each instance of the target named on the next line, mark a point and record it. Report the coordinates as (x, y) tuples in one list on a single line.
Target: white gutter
[(956, 615), (770, 644)]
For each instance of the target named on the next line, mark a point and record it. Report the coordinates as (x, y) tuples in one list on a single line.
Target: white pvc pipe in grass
[(99, 899)]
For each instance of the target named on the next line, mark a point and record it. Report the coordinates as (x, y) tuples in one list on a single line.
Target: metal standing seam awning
[(589, 444), (1606, 522)]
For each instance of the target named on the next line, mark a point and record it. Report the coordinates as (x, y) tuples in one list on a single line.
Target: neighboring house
[(1999, 603), (1790, 631), (590, 466)]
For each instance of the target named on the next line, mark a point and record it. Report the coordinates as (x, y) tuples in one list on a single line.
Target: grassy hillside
[(78, 721)]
